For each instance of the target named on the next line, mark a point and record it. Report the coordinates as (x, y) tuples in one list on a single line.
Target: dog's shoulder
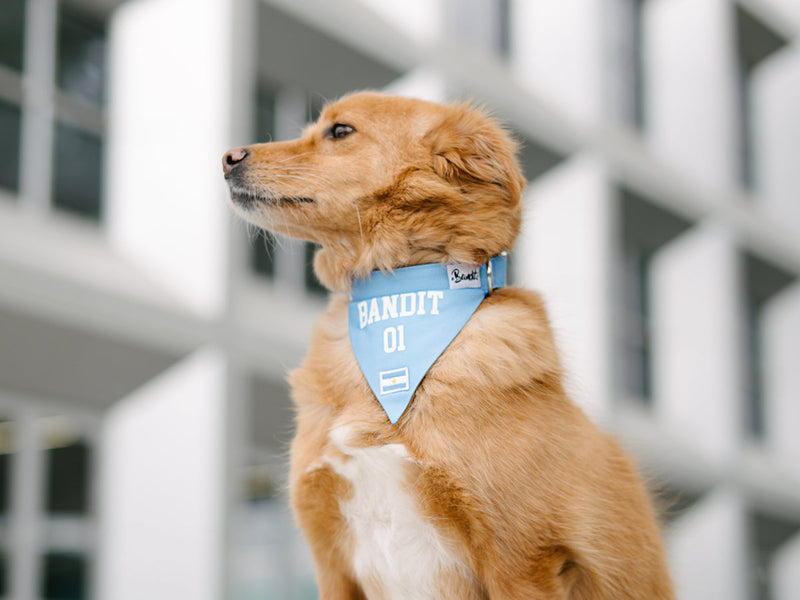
[(508, 341)]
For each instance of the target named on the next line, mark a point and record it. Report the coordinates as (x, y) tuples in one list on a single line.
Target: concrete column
[(558, 52), (421, 19), (781, 354), (169, 124), (162, 487), (697, 339), (706, 549), (776, 124), (564, 252), (692, 99)]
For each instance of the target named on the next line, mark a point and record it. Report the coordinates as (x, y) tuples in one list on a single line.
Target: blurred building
[(145, 333)]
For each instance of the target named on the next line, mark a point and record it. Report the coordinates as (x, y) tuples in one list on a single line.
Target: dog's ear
[(469, 146)]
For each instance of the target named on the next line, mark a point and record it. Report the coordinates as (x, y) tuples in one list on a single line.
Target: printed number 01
[(394, 339)]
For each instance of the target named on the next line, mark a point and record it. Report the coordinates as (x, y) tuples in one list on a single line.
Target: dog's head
[(382, 182)]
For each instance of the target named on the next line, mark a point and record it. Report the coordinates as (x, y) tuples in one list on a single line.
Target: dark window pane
[(265, 115), (65, 577), (756, 42), (504, 27), (312, 283), (762, 281), (76, 176), (6, 450), (767, 534), (264, 254), (9, 146), (68, 482), (636, 325), (12, 26), (81, 55), (3, 574), (315, 102)]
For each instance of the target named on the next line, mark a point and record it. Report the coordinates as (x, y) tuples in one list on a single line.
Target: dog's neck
[(337, 267), (401, 321)]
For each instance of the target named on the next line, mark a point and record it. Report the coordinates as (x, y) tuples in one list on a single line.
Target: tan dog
[(492, 484)]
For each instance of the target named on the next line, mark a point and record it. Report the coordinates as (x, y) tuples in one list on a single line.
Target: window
[(12, 26), (636, 92), (68, 470), (77, 170), (264, 533), (10, 119), (767, 534), (674, 501), (312, 284), (627, 41), (64, 576), (6, 454), (80, 60), (271, 104), (756, 42), (646, 228), (78, 130), (54, 499), (762, 282), (74, 113)]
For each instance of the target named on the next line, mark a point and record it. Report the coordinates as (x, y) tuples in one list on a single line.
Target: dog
[(486, 481)]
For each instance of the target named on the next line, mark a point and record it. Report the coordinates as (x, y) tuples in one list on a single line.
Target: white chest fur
[(398, 554)]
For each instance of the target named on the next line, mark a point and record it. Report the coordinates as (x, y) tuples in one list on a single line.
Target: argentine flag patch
[(401, 322), (394, 381)]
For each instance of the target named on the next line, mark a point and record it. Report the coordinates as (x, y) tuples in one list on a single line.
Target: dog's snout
[(232, 158)]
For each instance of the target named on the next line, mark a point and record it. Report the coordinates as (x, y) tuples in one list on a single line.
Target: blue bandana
[(401, 322)]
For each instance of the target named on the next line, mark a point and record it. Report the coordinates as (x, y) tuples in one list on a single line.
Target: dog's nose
[(232, 158)]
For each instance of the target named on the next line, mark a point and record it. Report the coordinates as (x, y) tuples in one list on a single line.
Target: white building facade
[(145, 333)]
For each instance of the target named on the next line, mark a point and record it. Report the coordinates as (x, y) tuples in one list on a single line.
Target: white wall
[(169, 124), (776, 86), (781, 351), (691, 79), (564, 252), (697, 340), (162, 485), (706, 548), (558, 51)]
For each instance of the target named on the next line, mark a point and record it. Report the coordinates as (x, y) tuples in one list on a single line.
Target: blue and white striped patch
[(393, 381)]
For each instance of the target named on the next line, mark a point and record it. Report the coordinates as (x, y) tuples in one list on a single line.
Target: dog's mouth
[(247, 198)]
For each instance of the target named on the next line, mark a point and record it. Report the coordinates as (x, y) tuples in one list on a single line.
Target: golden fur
[(533, 500)]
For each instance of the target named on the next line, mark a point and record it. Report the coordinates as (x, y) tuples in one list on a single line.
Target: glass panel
[(81, 68), (265, 115), (68, 467), (312, 283), (77, 171), (3, 574), (65, 576), (314, 105), (636, 325), (264, 254), (762, 281), (767, 534), (9, 145), (6, 450), (12, 26)]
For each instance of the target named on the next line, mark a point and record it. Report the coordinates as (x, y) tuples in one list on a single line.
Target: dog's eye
[(340, 130)]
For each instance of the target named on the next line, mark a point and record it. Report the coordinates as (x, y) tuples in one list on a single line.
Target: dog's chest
[(397, 552)]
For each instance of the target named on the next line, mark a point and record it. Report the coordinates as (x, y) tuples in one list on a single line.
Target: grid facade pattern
[(144, 334)]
